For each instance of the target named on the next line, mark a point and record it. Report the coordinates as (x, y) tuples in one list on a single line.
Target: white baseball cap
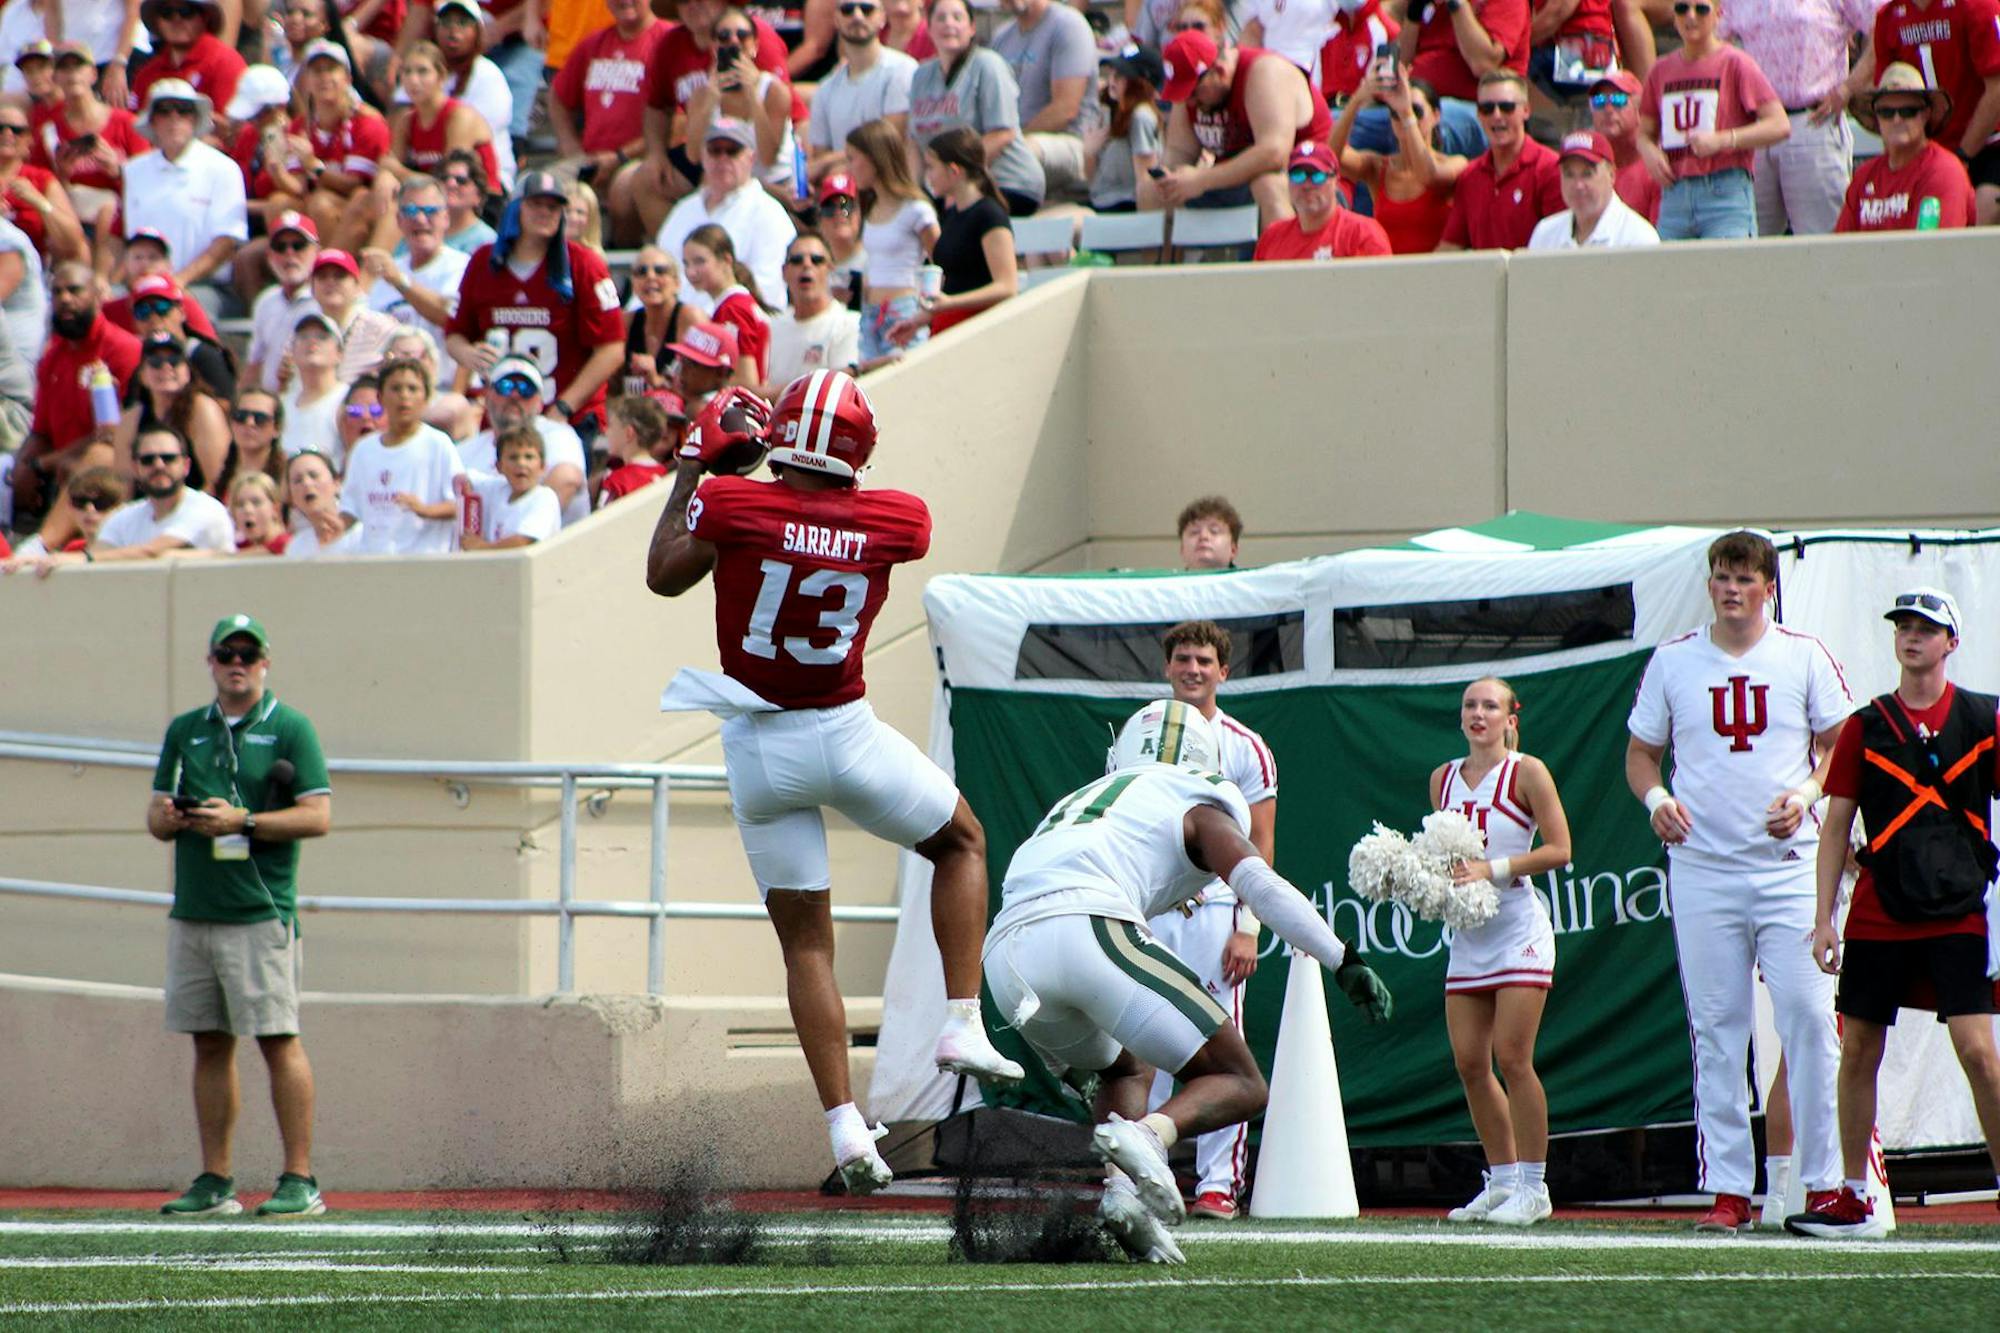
[(1932, 604)]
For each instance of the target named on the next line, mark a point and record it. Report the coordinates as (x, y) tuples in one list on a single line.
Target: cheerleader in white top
[(1499, 974)]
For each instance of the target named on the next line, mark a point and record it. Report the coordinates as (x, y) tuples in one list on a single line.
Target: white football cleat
[(1523, 1208), (862, 1169), (1491, 1195), (1135, 1228), (1136, 1150), (964, 1048)]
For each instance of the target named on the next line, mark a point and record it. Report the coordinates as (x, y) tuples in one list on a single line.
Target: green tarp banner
[(1614, 1047)]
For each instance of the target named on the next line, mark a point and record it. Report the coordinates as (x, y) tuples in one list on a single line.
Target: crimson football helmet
[(824, 423)]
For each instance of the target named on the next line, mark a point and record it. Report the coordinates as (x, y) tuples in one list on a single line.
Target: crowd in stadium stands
[(392, 234)]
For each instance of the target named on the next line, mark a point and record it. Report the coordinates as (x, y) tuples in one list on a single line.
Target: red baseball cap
[(839, 185), (1624, 80), (290, 220), (1588, 145), (157, 284), (675, 405), (1316, 156), (1188, 56), (709, 344), (339, 259)]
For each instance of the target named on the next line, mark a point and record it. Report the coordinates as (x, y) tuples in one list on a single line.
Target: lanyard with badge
[(231, 846)]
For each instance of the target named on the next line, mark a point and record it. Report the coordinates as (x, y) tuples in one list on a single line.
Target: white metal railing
[(601, 779)]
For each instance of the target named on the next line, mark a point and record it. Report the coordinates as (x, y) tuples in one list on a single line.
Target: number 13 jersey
[(799, 578)]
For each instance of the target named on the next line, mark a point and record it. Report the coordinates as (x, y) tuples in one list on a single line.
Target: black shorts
[(1876, 977), (1984, 168)]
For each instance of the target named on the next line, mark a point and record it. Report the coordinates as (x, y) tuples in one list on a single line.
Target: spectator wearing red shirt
[(1916, 183), (85, 140), (1706, 110), (1319, 227), (1956, 43), (1614, 113), (1510, 187), (147, 252), (1411, 188), (32, 198), (1573, 44), (1359, 27), (1243, 108), (681, 66), (185, 47), (1917, 765), (342, 147), (64, 438), (597, 109), (646, 431)]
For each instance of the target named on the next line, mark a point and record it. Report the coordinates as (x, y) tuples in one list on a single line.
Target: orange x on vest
[(1924, 794)]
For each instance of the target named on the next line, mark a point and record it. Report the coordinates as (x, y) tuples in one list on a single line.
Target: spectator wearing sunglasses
[(421, 285), (190, 192), (187, 50), (816, 333), (1242, 110), (840, 227), (1917, 182), (1511, 186), (276, 181), (759, 227), (1319, 227), (361, 415), (168, 393), (1411, 188), (401, 479), (147, 251), (761, 99), (1957, 46), (1706, 110), (168, 517), (1802, 47), (292, 249), (256, 421), (63, 438), (683, 64), (871, 82), (1614, 113), (95, 494), (159, 306), (1596, 218), (514, 398), (33, 199), (660, 320), (464, 179), (597, 109), (313, 401)]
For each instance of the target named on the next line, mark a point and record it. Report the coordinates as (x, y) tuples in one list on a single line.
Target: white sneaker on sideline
[(862, 1169), (1491, 1195), (1136, 1150), (1135, 1228), (964, 1048), (1523, 1208)]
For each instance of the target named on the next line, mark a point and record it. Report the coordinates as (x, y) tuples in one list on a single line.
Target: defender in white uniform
[(1218, 936), (1498, 978), (1070, 964), (1752, 710)]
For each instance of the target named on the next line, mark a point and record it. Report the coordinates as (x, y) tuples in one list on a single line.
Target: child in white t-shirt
[(514, 508)]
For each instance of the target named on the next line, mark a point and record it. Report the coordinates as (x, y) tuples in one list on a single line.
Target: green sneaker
[(210, 1196), (297, 1196)]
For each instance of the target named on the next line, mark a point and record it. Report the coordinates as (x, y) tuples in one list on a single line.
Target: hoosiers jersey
[(356, 146), (1115, 848), (1742, 730), (556, 333), (1495, 806), (799, 578), (424, 146), (1954, 44)]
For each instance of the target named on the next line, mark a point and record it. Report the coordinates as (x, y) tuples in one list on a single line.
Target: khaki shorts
[(240, 978)]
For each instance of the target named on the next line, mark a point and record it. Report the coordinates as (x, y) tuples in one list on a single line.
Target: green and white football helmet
[(1165, 731)]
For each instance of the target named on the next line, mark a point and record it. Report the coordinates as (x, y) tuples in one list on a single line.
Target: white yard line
[(938, 1288)]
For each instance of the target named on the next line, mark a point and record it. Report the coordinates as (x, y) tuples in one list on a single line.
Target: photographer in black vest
[(1920, 765)]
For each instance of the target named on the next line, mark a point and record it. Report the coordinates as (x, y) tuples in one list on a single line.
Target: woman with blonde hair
[(898, 229), (583, 217), (709, 259), (259, 515), (1498, 978), (658, 323)]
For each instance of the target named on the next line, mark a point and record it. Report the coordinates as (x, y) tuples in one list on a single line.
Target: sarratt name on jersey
[(826, 543), (1576, 902)]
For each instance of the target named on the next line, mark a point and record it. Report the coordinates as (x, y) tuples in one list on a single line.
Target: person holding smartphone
[(241, 781)]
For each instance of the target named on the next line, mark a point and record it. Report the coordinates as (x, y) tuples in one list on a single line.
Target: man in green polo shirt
[(239, 783)]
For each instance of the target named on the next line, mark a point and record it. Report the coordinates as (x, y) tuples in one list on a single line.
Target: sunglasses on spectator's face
[(516, 386), (854, 7), (1684, 9), (177, 11), (103, 504), (227, 656), (157, 460), (842, 206), (153, 307), (421, 210), (9, 127), (186, 109), (1192, 25), (155, 360), (363, 411), (1498, 108), (244, 416), (291, 247), (1900, 111), (808, 257), (1598, 101), (722, 148), (1309, 176), (652, 271), (741, 36), (460, 181)]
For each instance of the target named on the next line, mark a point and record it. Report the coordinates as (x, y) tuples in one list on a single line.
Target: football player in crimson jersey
[(564, 316), (801, 567)]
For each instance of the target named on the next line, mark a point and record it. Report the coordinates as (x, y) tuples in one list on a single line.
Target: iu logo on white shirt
[(1741, 711)]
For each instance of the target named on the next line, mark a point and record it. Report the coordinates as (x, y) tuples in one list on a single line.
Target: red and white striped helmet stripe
[(823, 423)]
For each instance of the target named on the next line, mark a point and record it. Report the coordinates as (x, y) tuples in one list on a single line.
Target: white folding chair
[(1213, 228), (1043, 236), (1126, 233)]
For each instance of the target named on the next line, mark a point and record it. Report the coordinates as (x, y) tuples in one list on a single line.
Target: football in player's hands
[(728, 436)]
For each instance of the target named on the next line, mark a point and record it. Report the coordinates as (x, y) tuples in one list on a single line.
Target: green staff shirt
[(205, 754)]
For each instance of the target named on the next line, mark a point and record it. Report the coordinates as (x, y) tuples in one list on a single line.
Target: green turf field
[(484, 1271)]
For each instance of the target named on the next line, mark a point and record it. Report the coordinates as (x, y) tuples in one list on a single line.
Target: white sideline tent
[(1835, 584)]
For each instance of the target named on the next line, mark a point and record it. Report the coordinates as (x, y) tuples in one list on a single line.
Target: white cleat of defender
[(1135, 1228), (1491, 1195), (1135, 1149), (864, 1171), (1523, 1208), (964, 1048)]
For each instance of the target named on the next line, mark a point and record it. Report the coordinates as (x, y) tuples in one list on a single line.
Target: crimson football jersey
[(1954, 44), (799, 578), (356, 146), (556, 333)]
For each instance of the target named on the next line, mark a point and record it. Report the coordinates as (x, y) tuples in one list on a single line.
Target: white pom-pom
[(1375, 863), (1416, 872)]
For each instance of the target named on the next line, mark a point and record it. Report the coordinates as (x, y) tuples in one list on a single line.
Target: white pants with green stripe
[(1081, 988), (1221, 1155)]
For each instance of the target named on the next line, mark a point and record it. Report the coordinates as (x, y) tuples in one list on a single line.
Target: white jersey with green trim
[(1115, 848)]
